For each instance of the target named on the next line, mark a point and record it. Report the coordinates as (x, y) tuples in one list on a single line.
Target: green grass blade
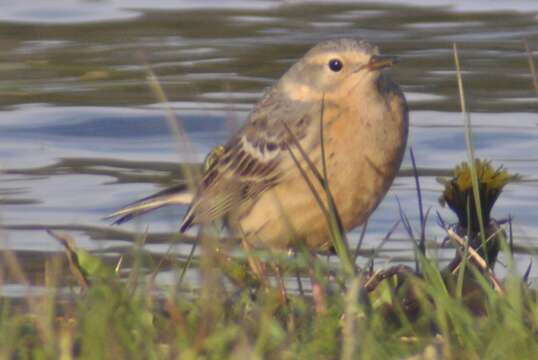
[(470, 146)]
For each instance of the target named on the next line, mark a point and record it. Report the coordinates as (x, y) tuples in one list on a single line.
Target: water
[(82, 134)]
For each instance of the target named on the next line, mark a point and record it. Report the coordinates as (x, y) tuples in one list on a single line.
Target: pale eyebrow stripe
[(325, 57)]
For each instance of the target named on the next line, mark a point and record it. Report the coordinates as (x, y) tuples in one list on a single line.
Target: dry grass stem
[(532, 67), (473, 254)]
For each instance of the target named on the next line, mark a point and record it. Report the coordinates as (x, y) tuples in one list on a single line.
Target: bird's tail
[(177, 195), (186, 223)]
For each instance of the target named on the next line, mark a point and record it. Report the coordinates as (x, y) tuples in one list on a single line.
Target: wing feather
[(252, 160)]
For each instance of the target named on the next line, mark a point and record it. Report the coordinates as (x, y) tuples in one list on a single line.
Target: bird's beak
[(378, 62)]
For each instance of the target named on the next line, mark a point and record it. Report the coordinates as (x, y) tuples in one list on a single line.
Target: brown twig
[(374, 280)]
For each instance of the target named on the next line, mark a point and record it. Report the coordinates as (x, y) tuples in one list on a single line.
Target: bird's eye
[(335, 65)]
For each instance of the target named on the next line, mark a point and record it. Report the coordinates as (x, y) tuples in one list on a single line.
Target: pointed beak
[(378, 62)]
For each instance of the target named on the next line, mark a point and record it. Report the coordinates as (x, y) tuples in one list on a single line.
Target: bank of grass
[(399, 315), (290, 307)]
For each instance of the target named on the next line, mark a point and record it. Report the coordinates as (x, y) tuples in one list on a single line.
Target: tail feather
[(177, 195), (187, 223)]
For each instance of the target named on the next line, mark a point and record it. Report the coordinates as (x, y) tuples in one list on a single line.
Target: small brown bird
[(339, 90)]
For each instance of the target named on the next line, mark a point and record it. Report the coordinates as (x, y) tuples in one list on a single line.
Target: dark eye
[(335, 65)]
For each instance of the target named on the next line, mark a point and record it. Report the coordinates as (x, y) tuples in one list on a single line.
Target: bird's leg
[(283, 294), (318, 292), (257, 267)]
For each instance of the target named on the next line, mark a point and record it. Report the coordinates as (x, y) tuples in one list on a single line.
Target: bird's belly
[(362, 161), (286, 215)]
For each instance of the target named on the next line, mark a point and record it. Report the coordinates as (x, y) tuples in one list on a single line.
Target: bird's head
[(333, 66)]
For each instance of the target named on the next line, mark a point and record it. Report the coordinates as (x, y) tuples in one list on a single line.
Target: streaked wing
[(252, 160)]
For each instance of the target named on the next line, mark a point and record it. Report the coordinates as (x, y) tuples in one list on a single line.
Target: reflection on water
[(81, 134)]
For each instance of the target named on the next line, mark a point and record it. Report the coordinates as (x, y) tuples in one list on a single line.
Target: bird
[(336, 112)]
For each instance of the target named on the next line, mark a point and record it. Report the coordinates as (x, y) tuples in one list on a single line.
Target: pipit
[(337, 100)]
